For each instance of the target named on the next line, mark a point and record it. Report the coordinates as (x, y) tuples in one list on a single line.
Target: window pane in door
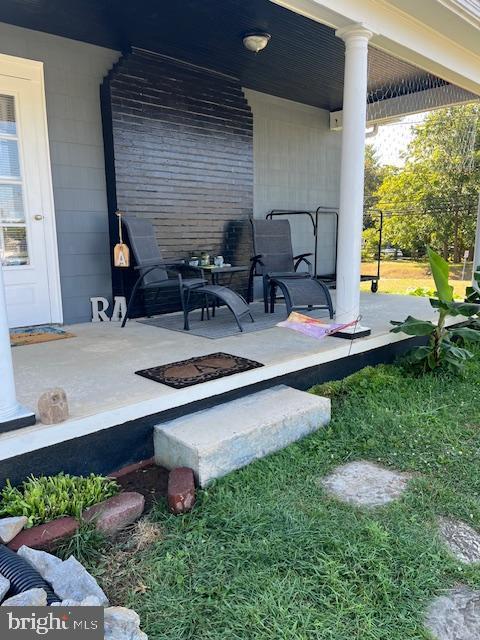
[(13, 246), (9, 162), (7, 115), (11, 203)]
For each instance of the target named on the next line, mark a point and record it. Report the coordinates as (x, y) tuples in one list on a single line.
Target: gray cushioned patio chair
[(275, 262), (194, 292)]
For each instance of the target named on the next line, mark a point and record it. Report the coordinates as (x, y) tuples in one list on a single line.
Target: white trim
[(401, 35), (468, 10), (32, 70)]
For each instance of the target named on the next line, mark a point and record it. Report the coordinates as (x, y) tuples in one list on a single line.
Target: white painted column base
[(12, 414), (20, 417)]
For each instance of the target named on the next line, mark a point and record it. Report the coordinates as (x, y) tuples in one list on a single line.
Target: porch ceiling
[(303, 62)]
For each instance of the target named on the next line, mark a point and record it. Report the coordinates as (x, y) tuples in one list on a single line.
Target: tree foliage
[(432, 198)]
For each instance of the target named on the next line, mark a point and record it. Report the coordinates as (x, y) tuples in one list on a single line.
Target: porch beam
[(350, 219), (12, 414)]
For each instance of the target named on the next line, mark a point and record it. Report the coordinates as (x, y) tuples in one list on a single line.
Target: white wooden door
[(24, 211)]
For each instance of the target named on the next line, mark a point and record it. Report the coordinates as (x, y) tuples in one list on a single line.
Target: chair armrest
[(197, 269), (158, 265), (302, 257)]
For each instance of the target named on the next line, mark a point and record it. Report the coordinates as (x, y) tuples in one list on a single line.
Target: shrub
[(443, 350), (49, 497), (421, 292)]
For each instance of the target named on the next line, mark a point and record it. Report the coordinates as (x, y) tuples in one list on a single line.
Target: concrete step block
[(218, 440)]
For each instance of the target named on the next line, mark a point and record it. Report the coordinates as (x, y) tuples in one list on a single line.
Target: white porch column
[(350, 220), (12, 414), (476, 255)]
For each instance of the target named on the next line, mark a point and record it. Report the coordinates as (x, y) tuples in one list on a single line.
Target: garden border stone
[(44, 535)]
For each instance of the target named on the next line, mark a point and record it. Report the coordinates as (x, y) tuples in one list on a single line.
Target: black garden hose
[(22, 575)]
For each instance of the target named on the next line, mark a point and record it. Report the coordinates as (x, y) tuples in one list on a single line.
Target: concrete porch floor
[(96, 368)]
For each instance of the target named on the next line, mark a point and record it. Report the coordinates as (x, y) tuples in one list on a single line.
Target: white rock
[(89, 601), (30, 598), (71, 580), (122, 624), (4, 587), (10, 527), (45, 563), (66, 603)]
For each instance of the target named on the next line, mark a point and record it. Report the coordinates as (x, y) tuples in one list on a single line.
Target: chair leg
[(185, 298), (250, 286), (273, 293), (131, 300), (265, 294)]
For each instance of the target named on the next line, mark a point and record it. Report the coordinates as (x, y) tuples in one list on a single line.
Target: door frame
[(32, 70)]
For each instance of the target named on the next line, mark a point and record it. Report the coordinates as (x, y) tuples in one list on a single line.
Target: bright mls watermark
[(26, 623)]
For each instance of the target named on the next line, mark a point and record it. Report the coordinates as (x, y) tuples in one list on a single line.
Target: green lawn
[(403, 276), (267, 555)]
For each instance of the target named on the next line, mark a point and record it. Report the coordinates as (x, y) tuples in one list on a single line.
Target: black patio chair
[(194, 292), (274, 261)]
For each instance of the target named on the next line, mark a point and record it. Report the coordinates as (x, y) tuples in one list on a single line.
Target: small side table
[(216, 272)]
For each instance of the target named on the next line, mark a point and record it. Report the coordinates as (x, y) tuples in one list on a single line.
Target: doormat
[(34, 335), (186, 373)]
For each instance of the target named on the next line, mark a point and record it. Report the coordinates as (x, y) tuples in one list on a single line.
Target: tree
[(431, 200), (374, 174)]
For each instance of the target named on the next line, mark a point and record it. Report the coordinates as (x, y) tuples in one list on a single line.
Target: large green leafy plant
[(446, 346), (49, 497)]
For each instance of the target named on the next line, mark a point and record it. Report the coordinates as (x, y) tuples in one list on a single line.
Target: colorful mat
[(35, 335), (312, 327), (186, 373)]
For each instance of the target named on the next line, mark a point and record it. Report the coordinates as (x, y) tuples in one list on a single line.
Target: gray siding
[(297, 166), (73, 74)]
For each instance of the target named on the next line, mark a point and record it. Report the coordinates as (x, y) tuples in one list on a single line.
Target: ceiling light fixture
[(256, 41)]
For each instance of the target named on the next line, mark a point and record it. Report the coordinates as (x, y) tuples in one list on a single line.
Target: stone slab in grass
[(365, 484), (455, 615), (116, 513), (461, 539)]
